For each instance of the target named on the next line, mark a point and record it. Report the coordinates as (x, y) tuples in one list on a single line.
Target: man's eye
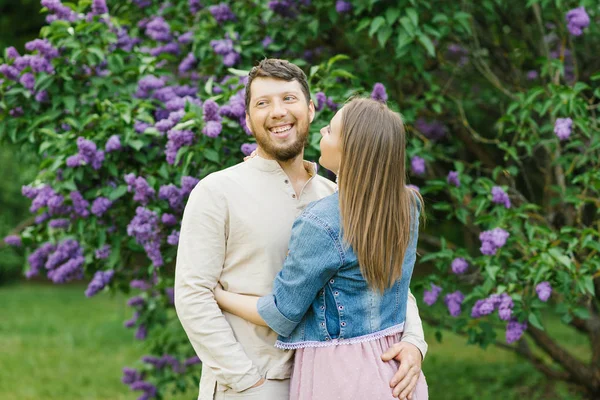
[(289, 98)]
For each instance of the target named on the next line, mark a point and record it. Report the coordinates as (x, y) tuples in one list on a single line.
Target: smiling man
[(235, 232)]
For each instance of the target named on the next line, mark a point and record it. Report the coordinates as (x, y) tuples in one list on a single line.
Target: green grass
[(57, 344)]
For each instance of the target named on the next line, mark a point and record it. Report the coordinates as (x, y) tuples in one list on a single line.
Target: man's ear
[(248, 123), (311, 110)]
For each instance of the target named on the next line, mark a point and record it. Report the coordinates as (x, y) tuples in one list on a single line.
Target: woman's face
[(331, 143)]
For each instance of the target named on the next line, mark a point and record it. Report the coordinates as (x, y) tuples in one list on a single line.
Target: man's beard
[(281, 153)]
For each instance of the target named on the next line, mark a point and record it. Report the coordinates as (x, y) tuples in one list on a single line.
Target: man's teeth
[(281, 129)]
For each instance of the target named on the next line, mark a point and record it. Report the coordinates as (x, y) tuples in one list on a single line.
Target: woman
[(340, 299)]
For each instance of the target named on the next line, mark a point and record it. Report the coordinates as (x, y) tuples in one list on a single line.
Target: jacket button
[(336, 293), (340, 307), (322, 323), (327, 338), (331, 281), (343, 324), (322, 307)]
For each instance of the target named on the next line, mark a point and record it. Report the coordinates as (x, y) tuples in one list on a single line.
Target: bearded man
[(235, 232)]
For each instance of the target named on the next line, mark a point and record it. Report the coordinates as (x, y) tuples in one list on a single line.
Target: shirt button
[(293, 196), (286, 181)]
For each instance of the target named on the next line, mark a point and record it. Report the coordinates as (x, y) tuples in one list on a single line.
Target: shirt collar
[(273, 166)]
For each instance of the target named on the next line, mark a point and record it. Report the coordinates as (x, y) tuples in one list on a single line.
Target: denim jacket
[(320, 297)]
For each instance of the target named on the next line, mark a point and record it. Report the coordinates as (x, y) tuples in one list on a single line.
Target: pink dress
[(348, 372)]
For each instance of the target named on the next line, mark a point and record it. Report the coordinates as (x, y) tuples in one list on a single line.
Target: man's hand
[(405, 380)]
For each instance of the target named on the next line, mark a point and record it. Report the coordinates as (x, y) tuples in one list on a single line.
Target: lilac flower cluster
[(113, 144), (173, 238), (66, 262), (431, 296), (172, 194), (170, 293), (59, 223), (139, 284), (418, 165), (158, 29), (192, 361), (562, 128), (343, 7), (58, 11), (432, 130), (501, 302), (100, 206), (224, 47), (144, 228), (103, 252), (99, 7), (577, 20), (285, 8), (80, 205), (173, 119), (144, 193), (168, 219), (453, 178), (38, 259), (88, 154), (378, 93), (162, 362), (147, 84), (454, 301), (141, 126), (543, 290), (499, 196), (514, 331), (222, 13), (212, 119), (99, 282), (459, 265), (322, 100), (148, 389), (248, 148), (195, 6), (188, 183), (492, 240), (176, 140), (187, 64), (13, 240)]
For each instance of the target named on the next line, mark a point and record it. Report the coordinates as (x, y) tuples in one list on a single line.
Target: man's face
[(279, 117)]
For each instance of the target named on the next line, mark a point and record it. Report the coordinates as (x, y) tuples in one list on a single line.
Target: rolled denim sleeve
[(314, 256)]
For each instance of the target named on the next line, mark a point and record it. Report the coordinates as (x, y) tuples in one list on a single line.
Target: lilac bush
[(129, 104)]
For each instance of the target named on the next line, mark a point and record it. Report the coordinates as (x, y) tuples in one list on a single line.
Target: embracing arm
[(413, 327), (200, 258), (242, 305)]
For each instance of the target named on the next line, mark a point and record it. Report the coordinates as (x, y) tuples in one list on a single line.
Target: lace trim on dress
[(336, 342)]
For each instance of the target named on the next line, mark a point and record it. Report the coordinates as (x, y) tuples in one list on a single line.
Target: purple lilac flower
[(99, 282), (9, 71), (13, 240), (168, 219), (192, 361), (343, 7), (88, 154), (212, 129), (130, 376), (378, 93), (459, 265), (150, 82), (136, 301), (186, 38), (321, 100), (505, 307), (453, 301), (59, 11), (113, 144), (418, 165), (431, 296), (188, 183), (103, 252), (222, 13), (187, 63), (432, 130), (248, 148), (514, 331), (38, 258), (532, 75), (43, 46), (139, 284), (266, 42), (222, 47), (499, 196), (42, 96), (543, 290), (12, 53), (148, 388), (144, 228), (66, 262), (42, 196), (99, 7), (28, 81), (333, 106), (143, 192), (173, 238), (285, 8), (36, 62), (177, 139), (80, 205), (453, 179), (40, 219), (100, 206), (170, 293), (16, 112), (577, 20), (141, 333), (562, 128), (482, 307), (169, 48), (158, 29), (492, 240), (29, 192), (141, 126), (195, 6), (171, 193), (59, 223), (236, 108), (130, 323)]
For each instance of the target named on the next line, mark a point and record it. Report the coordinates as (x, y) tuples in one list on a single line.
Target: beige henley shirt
[(235, 231)]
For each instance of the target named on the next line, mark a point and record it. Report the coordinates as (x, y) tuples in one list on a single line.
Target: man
[(235, 231)]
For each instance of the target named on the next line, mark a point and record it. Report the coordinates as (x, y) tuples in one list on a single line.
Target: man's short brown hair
[(278, 69)]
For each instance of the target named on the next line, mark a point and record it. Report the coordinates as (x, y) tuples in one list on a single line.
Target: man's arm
[(200, 258), (413, 327)]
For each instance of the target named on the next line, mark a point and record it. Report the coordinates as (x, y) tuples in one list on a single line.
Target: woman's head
[(365, 146)]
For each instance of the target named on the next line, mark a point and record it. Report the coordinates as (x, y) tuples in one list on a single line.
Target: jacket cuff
[(273, 317), (420, 344)]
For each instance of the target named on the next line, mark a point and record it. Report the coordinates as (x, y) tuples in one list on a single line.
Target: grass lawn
[(57, 344)]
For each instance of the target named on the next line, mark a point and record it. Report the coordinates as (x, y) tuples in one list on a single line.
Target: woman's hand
[(219, 295)]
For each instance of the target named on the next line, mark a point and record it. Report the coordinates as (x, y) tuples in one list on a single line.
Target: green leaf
[(376, 24), (581, 312), (426, 42), (559, 256), (363, 24), (535, 321), (336, 58), (391, 15), (136, 144), (414, 17), (238, 72), (383, 35), (211, 155), (117, 193), (403, 40), (208, 85), (69, 102), (408, 27)]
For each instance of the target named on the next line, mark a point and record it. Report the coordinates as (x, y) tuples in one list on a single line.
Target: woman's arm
[(238, 304)]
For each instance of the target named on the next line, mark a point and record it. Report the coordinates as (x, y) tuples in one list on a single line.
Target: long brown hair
[(375, 203)]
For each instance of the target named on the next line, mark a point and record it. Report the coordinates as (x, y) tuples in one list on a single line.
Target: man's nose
[(279, 110)]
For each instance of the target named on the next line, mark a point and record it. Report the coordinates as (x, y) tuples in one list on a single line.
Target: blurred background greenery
[(55, 347)]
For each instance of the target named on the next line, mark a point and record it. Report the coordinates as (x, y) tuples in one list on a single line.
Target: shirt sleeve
[(314, 257), (413, 327), (200, 258)]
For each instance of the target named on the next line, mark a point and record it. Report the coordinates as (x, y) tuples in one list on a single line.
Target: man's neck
[(293, 168)]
